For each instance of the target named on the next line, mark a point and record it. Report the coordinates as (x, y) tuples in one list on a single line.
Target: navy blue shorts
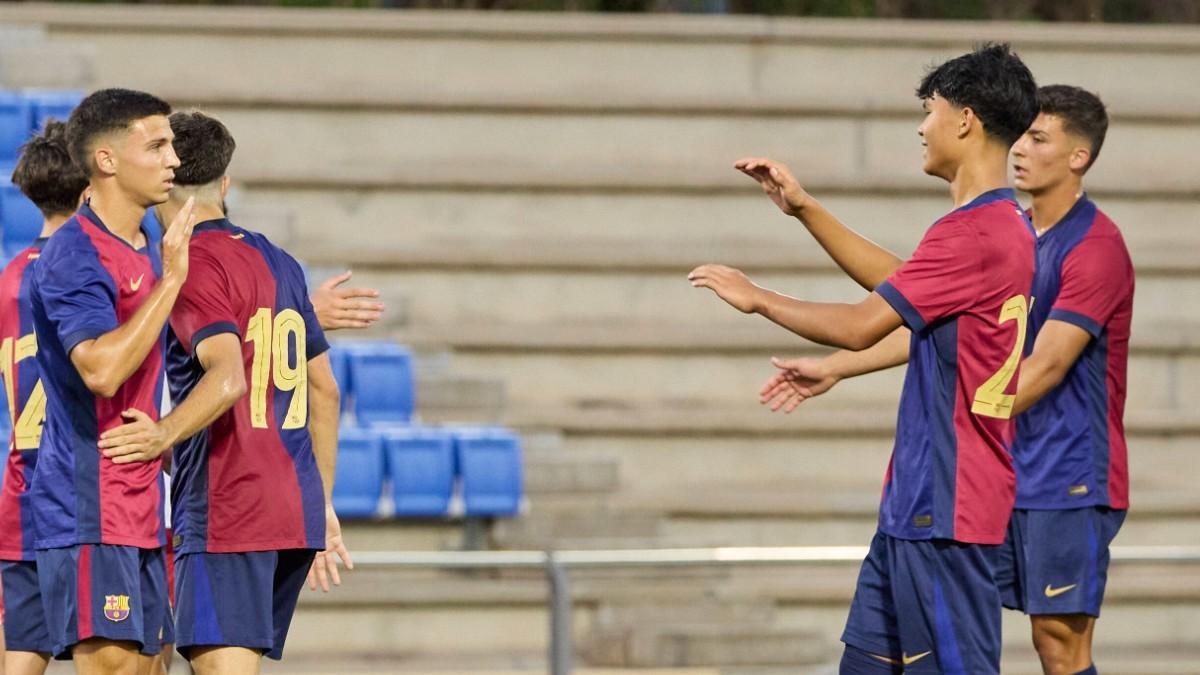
[(1056, 562), (24, 618), (102, 591), (238, 599), (931, 605)]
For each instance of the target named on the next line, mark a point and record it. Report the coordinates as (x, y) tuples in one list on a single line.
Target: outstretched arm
[(855, 327), (801, 379), (323, 406), (338, 308), (866, 262)]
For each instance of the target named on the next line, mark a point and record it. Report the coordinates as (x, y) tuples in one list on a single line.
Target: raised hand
[(797, 381), (338, 308), (731, 285), (777, 182), (324, 567), (175, 243), (139, 440)]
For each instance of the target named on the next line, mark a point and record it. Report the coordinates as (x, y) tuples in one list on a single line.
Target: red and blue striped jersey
[(87, 283), (1070, 450), (965, 295), (26, 403), (250, 482)]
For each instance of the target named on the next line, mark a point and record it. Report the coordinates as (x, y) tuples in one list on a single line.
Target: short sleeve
[(1095, 280), (204, 307), (78, 296), (315, 341), (939, 280)]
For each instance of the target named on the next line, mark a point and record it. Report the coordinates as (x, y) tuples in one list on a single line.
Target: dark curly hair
[(46, 174), (1082, 113), (994, 83), (205, 148), (103, 112)]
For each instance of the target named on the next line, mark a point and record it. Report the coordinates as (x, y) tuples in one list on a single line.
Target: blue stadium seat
[(381, 374), (52, 104), (16, 124), (489, 463), (421, 465), (359, 481), (21, 220)]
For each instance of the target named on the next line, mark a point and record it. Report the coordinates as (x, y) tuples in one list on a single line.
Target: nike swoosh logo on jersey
[(236, 236), (135, 284), (909, 660), (1055, 592)]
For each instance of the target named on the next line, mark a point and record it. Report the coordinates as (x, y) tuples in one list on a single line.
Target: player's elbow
[(102, 383), (233, 386)]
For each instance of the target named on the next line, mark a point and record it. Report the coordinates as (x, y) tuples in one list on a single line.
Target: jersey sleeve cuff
[(71, 340), (317, 345), (212, 329), (1076, 319), (903, 307)]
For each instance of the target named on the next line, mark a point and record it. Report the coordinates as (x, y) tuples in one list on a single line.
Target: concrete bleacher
[(530, 192)]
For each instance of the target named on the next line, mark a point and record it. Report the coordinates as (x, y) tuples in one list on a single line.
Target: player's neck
[(122, 216), (203, 210), (53, 224), (1051, 204), (983, 173)]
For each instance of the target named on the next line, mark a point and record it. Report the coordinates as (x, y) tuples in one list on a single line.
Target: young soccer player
[(926, 600), (47, 176), (251, 495), (1070, 451), (100, 298)]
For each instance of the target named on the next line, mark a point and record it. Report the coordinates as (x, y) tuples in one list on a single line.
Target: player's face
[(1046, 155), (147, 160), (938, 131)]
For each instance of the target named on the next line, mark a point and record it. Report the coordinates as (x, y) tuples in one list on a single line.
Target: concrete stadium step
[(29, 60), (626, 231), (473, 297), (701, 63)]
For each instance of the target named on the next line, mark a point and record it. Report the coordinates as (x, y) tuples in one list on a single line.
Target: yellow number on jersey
[(990, 399), (27, 423), (272, 339)]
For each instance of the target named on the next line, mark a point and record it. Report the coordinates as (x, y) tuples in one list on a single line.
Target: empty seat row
[(23, 113), (376, 381), (433, 472)]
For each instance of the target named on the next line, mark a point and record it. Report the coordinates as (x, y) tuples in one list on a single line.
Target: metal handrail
[(557, 563)]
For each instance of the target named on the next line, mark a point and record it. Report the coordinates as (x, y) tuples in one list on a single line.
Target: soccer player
[(926, 600), (100, 299), (1070, 450), (47, 176), (251, 496)]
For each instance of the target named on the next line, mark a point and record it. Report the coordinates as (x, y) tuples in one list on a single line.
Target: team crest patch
[(116, 607)]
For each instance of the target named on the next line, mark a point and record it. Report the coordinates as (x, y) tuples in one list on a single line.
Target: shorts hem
[(262, 645), (870, 646)]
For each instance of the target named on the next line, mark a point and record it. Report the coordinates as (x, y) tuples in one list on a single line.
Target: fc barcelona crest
[(116, 607)]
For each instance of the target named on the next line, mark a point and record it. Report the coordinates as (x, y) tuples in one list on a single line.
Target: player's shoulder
[(71, 241)]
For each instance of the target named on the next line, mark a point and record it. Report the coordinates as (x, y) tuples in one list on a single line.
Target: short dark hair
[(105, 111), (1082, 113), (994, 83), (46, 174), (205, 148)]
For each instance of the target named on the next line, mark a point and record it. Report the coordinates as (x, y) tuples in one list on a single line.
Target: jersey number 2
[(27, 424), (272, 339), (990, 399)]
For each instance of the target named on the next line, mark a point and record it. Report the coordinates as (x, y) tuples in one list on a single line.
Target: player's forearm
[(216, 392), (832, 324), (323, 416), (889, 352), (106, 362), (1039, 375), (866, 262)]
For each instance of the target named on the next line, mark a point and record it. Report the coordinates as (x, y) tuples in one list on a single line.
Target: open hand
[(175, 243), (324, 567), (139, 440), (731, 285), (345, 307), (777, 182), (797, 381)]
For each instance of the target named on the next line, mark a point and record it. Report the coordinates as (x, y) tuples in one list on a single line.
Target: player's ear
[(105, 158), (224, 187), (1078, 161), (966, 119)]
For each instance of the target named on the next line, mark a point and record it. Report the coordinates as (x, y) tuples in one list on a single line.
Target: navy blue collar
[(990, 196), (214, 224), (1070, 217), (85, 209)]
